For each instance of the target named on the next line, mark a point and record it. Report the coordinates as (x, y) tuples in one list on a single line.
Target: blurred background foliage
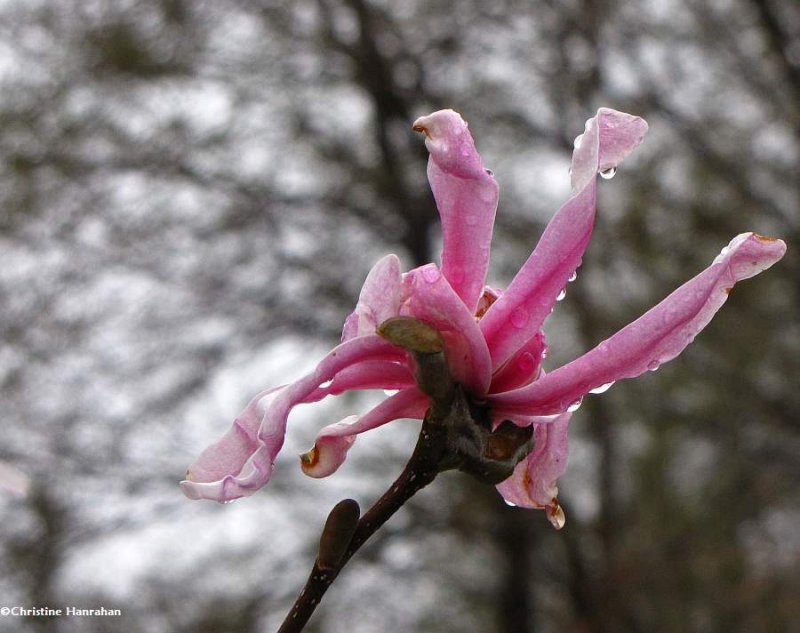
[(191, 194)]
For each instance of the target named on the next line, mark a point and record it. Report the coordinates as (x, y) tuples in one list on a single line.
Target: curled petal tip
[(439, 123), (776, 246), (452, 148), (334, 441), (329, 451), (609, 137), (750, 253), (187, 488), (221, 491)]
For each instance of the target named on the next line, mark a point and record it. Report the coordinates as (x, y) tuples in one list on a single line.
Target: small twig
[(421, 470)]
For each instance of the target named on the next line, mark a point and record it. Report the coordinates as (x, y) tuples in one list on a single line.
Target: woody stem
[(336, 550)]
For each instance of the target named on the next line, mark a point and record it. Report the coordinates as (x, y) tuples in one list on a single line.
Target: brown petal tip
[(310, 458), (764, 238)]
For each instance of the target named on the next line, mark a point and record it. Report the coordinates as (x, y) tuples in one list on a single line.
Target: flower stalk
[(420, 470)]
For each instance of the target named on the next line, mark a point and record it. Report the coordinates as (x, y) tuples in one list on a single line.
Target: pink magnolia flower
[(493, 340)]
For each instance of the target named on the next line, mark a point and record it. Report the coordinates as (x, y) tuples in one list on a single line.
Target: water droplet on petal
[(575, 406), (722, 254), (326, 384), (431, 274), (561, 294), (555, 514), (653, 365), (608, 174), (573, 276), (519, 318), (227, 501), (510, 503), (390, 392), (526, 362), (602, 388)]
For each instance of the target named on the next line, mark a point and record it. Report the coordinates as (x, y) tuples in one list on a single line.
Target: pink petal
[(241, 461), (655, 338), (428, 296), (516, 316), (210, 475), (609, 137), (370, 374), (378, 301), (333, 442), (522, 368), (466, 195), (534, 482)]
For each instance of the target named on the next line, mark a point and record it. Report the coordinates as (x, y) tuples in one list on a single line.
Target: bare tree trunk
[(515, 542), (40, 556)]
